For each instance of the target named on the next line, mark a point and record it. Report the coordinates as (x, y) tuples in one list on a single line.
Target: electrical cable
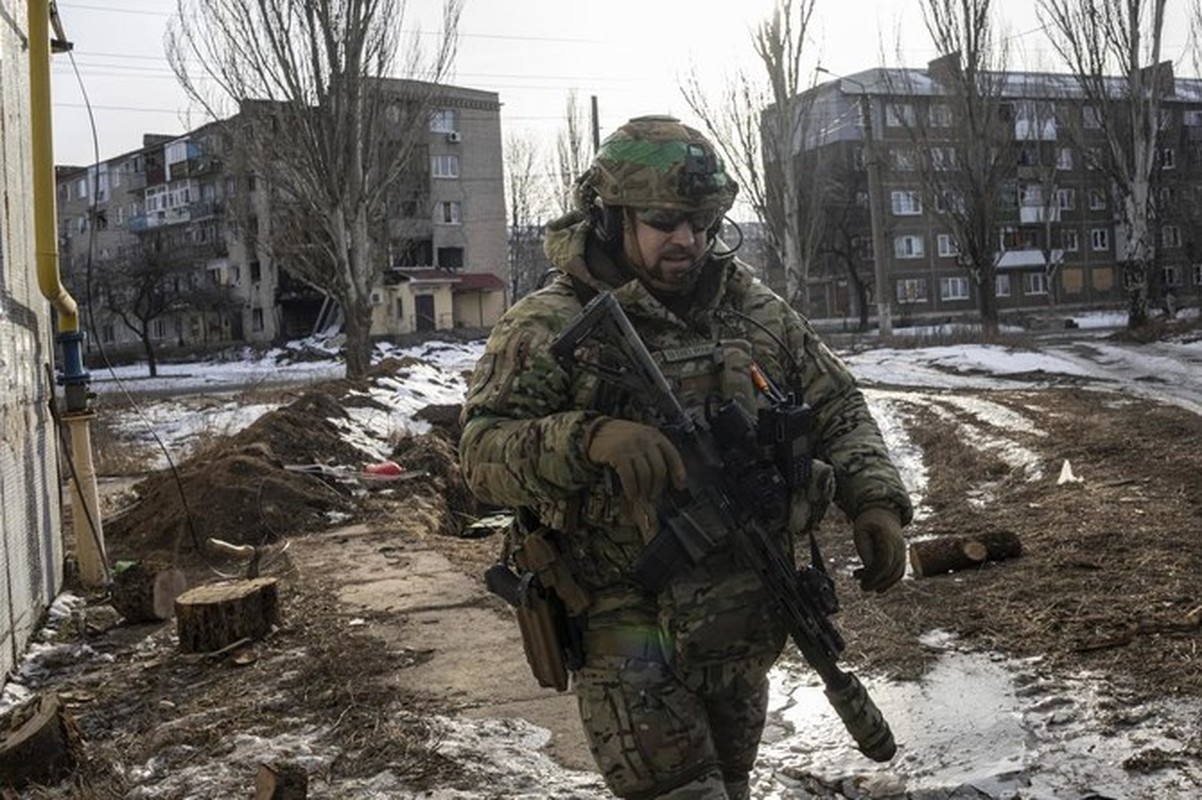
[(88, 281)]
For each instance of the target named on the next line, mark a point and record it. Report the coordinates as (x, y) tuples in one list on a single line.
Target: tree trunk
[(216, 615), (38, 747), (146, 592), (357, 322), (951, 553), (282, 780)]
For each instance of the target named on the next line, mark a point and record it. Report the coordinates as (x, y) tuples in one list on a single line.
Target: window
[(1094, 158), (444, 120), (898, 115), (1028, 156), (857, 159), (81, 188), (1170, 236), (912, 290), (1035, 283), (947, 245), (1066, 199), (400, 309), (940, 115), (903, 159), (1167, 157), (862, 246), (450, 257), (256, 272), (949, 200), (1097, 200), (107, 333), (1001, 286), (953, 288), (908, 247), (1069, 240), (1197, 274), (1171, 276), (1099, 239), (158, 328), (907, 202), (1090, 117), (449, 212), (943, 158), (1064, 158), (256, 319), (444, 166)]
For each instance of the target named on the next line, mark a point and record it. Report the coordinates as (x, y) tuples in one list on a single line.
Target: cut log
[(38, 745), (145, 592), (216, 615), (950, 553), (282, 780)]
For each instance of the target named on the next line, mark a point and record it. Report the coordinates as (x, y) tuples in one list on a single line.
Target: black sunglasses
[(667, 220)]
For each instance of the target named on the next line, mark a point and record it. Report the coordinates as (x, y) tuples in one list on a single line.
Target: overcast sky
[(630, 54)]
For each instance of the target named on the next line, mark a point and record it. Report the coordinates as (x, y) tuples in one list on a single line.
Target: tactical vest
[(711, 612)]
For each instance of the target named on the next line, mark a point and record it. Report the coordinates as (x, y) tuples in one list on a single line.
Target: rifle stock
[(730, 494)]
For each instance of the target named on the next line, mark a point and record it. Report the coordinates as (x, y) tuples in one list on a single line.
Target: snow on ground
[(968, 723)]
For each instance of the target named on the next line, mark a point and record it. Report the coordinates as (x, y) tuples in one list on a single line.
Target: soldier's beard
[(667, 275), (672, 277)]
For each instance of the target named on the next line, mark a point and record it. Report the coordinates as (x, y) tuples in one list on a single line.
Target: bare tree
[(1097, 38), (572, 152), (528, 208), (323, 125), (732, 121), (842, 248), (963, 144), (761, 128), (154, 281)]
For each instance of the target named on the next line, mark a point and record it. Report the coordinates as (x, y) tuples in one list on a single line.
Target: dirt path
[(412, 596)]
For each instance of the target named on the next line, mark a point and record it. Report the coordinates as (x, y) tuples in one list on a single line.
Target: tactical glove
[(877, 534), (642, 456)]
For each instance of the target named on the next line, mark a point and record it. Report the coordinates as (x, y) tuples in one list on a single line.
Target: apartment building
[(189, 202), (1058, 232)]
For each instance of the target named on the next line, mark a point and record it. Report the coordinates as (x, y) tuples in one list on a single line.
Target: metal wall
[(30, 536)]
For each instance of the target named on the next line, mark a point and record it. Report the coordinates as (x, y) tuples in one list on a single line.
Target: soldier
[(672, 687)]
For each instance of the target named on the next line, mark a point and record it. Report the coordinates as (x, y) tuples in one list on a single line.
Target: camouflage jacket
[(526, 420)]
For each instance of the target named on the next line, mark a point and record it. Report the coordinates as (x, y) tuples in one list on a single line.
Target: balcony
[(1028, 215)]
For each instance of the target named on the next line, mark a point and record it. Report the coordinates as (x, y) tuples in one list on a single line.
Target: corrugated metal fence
[(30, 537)]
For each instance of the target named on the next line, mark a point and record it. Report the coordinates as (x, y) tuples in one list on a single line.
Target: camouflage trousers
[(655, 733)]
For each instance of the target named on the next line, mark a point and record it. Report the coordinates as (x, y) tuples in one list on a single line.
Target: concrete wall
[(30, 538)]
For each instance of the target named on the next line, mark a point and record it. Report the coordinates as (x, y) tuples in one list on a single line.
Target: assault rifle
[(732, 494)]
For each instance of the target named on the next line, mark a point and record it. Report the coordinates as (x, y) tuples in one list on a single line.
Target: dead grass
[(1108, 579)]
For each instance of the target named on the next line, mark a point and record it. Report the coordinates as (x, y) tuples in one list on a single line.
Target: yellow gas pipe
[(85, 497)]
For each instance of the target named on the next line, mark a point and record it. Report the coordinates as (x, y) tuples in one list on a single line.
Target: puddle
[(985, 727)]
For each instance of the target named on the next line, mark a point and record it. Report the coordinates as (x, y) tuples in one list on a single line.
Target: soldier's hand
[(642, 456), (877, 534)]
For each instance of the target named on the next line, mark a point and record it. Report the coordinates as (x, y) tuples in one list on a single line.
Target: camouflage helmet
[(658, 162)]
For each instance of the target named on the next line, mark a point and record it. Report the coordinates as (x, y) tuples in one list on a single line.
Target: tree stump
[(37, 747), (282, 780), (146, 592), (216, 615), (951, 553)]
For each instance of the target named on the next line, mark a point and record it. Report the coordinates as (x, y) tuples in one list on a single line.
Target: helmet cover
[(658, 162)]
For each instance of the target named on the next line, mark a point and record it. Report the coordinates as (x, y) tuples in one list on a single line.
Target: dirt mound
[(241, 495), (240, 489), (436, 455)]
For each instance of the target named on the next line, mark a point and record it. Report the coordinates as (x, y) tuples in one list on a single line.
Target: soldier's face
[(671, 245)]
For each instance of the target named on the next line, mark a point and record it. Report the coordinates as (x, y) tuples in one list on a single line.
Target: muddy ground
[(1107, 582)]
